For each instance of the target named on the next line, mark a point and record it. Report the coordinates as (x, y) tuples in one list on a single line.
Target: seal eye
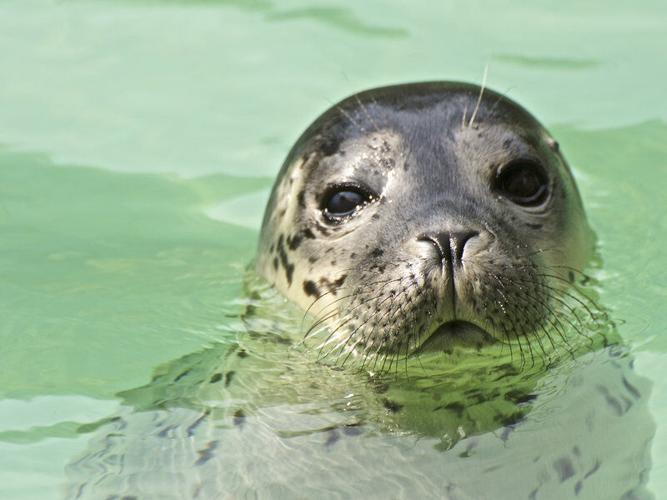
[(343, 201), (523, 183)]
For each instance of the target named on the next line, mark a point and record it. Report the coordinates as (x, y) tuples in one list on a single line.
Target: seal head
[(413, 216)]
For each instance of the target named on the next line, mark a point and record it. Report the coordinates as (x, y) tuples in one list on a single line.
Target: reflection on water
[(261, 416)]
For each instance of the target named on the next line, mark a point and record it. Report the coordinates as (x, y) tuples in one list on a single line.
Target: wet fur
[(376, 291)]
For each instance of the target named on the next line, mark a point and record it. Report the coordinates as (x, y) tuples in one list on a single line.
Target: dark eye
[(523, 183), (343, 201)]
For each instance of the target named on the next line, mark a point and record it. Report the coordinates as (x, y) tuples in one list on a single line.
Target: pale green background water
[(138, 140)]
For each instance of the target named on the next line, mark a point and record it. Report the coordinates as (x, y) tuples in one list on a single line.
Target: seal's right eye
[(340, 202)]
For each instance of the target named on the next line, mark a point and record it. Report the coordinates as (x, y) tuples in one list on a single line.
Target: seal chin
[(455, 333)]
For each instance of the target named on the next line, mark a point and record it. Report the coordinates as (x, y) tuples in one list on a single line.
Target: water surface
[(139, 141)]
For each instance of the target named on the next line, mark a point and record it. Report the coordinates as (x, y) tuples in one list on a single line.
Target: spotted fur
[(373, 283)]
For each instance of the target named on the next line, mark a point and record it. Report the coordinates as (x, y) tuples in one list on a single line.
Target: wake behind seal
[(412, 217)]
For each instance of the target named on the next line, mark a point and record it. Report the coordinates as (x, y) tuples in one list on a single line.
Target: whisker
[(358, 289), (365, 110), (371, 317), (352, 120), (479, 99), (552, 314)]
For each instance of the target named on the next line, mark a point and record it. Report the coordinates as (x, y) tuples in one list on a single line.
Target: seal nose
[(450, 244)]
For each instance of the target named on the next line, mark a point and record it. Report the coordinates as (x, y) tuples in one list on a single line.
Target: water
[(139, 141)]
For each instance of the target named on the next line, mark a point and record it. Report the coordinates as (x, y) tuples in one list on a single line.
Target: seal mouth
[(456, 333)]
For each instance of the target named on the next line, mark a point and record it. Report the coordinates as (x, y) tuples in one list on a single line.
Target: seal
[(417, 217)]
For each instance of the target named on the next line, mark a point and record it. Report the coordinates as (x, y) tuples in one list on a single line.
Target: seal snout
[(450, 244), (459, 253)]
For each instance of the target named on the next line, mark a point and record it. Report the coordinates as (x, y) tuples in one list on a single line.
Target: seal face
[(413, 216)]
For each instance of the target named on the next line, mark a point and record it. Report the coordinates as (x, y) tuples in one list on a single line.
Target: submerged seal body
[(412, 216)]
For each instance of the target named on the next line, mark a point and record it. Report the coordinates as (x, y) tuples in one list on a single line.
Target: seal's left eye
[(524, 183), (343, 201)]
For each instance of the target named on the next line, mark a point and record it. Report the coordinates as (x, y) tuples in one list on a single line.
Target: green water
[(138, 141)]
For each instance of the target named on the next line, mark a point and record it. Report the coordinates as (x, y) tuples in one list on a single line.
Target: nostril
[(457, 242), (450, 244)]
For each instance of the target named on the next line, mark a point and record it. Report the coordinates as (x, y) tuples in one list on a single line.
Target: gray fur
[(371, 280)]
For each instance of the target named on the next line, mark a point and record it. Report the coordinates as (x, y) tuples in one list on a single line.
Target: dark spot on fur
[(301, 198), (307, 233), (294, 241), (534, 226), (310, 288), (217, 377), (332, 286), (376, 216), (339, 282), (275, 263), (242, 353), (312, 259), (229, 377), (289, 267), (377, 252), (289, 272), (353, 255), (507, 143)]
